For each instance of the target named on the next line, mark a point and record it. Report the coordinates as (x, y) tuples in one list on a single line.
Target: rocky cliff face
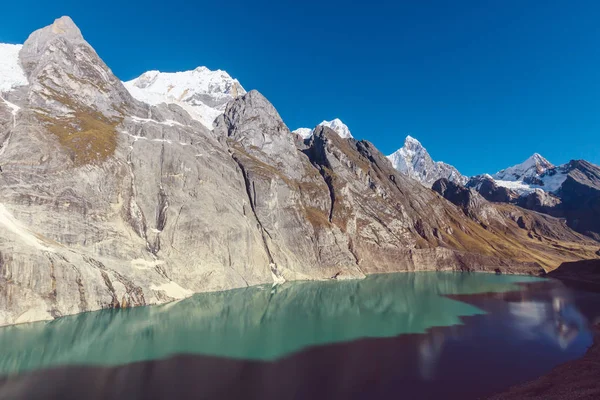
[(110, 202), (487, 187)]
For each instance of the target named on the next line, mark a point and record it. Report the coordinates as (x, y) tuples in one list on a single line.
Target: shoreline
[(272, 284), (577, 379)]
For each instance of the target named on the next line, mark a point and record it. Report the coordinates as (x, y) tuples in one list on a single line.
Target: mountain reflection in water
[(387, 334)]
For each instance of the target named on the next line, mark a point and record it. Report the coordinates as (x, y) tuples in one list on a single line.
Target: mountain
[(534, 173), (533, 167), (111, 202), (413, 160), (570, 191), (336, 125), (202, 93)]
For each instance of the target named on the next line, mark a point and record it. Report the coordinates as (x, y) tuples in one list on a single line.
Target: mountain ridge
[(110, 202), (413, 160)]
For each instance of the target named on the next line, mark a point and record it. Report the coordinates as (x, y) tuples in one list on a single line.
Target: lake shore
[(576, 379), (437, 363)]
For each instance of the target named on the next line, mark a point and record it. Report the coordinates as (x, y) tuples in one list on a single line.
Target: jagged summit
[(67, 76), (201, 92), (533, 166), (411, 141), (339, 127), (65, 26), (38, 41), (336, 125), (413, 160)]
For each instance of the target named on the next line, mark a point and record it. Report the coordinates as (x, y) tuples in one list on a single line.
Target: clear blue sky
[(482, 84)]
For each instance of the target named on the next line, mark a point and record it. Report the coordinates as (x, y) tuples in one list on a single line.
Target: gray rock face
[(487, 187), (580, 196), (109, 202), (61, 65)]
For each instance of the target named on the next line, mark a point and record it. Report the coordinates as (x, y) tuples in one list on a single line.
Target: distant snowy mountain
[(304, 132), (11, 73), (339, 127), (413, 160), (533, 167), (534, 173), (202, 93), (336, 125)]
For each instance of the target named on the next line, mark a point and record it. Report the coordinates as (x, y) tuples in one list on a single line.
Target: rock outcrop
[(487, 187), (110, 202)]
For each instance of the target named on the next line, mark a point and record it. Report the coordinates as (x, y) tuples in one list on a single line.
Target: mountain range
[(124, 194)]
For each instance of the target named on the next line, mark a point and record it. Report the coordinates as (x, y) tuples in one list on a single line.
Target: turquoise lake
[(256, 323)]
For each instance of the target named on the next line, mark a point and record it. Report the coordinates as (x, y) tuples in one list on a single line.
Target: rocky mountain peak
[(411, 142), (66, 74), (251, 123), (338, 127), (39, 41), (532, 167), (413, 160), (65, 26), (335, 125)]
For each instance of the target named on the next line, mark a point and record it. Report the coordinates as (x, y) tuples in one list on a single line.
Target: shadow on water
[(416, 334)]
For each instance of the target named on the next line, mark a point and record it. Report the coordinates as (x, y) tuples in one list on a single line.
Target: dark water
[(422, 335)]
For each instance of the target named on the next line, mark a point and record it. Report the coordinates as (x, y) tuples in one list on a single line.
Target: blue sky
[(482, 84)]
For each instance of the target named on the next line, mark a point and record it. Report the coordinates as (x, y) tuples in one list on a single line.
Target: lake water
[(409, 330)]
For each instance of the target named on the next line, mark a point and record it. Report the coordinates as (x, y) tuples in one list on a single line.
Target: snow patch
[(518, 186), (11, 73), (140, 263)]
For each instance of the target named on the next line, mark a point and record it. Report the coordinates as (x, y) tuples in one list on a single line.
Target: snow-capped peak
[(411, 141), (413, 160), (305, 133), (534, 173), (11, 73), (202, 92), (336, 125), (534, 166), (339, 127)]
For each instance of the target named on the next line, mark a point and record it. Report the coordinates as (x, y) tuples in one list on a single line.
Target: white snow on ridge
[(339, 127), (551, 183), (336, 125), (11, 73), (539, 172), (305, 133), (201, 92), (533, 166), (518, 186)]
